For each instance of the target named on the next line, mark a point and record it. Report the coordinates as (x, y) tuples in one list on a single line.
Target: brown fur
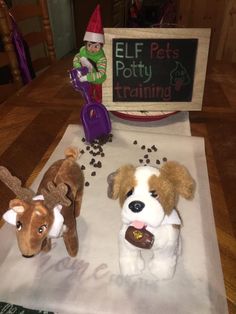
[(174, 180), (36, 216), (180, 177), (152, 209), (32, 218), (121, 182), (166, 192)]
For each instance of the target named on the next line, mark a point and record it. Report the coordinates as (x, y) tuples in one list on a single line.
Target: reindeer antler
[(56, 194), (14, 184)]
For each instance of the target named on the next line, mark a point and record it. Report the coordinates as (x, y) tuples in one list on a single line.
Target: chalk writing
[(153, 69)]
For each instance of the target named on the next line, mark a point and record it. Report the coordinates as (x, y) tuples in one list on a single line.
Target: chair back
[(41, 36), (10, 77)]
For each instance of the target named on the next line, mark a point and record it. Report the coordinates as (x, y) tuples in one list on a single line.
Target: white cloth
[(177, 124), (172, 219), (91, 282)]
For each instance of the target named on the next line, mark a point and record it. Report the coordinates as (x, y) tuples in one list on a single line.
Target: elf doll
[(92, 56)]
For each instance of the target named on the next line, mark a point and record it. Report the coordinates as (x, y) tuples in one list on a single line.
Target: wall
[(220, 16), (113, 15), (62, 25)]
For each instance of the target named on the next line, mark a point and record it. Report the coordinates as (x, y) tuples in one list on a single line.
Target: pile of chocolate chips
[(146, 158), (95, 149)]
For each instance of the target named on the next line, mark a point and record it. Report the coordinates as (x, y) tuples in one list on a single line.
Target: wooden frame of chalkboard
[(155, 68)]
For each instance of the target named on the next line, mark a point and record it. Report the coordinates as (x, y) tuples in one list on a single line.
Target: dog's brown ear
[(110, 189), (118, 179), (180, 177)]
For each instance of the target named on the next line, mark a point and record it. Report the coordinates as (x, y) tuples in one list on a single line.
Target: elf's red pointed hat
[(94, 31)]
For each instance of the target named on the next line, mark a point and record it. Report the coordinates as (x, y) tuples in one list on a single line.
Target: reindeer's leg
[(47, 245), (78, 202), (70, 236)]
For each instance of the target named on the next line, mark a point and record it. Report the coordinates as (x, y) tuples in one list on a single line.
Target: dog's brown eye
[(130, 193), (18, 225), (154, 194), (42, 228)]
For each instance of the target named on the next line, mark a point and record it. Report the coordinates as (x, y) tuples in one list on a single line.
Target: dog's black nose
[(136, 206)]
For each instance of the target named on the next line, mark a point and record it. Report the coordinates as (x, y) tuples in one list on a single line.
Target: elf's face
[(93, 47)]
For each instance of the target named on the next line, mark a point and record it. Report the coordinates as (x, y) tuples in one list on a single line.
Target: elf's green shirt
[(97, 76)]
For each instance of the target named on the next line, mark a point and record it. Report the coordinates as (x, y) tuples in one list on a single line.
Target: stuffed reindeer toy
[(52, 211), (148, 197)]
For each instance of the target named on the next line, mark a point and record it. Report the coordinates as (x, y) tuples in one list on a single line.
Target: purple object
[(17, 40), (82, 87), (94, 116), (96, 121)]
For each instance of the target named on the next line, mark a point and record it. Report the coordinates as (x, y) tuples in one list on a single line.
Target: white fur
[(39, 197), (86, 63), (57, 226), (165, 247), (10, 216)]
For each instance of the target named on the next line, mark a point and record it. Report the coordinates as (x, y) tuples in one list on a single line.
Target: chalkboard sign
[(153, 69)]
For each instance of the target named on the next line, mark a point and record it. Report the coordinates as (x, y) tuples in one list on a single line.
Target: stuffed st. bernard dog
[(148, 197)]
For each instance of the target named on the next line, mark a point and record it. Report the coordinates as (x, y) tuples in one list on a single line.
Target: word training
[(153, 69), (143, 92)]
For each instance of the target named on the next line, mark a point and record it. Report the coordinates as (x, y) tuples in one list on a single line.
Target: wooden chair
[(8, 58), (44, 37)]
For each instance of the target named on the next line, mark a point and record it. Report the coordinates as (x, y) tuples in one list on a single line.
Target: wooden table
[(33, 121)]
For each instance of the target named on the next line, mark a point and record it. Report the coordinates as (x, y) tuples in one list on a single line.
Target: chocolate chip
[(81, 151), (141, 161), (158, 162), (92, 161), (154, 148), (82, 167), (149, 150), (99, 164), (143, 147), (87, 147), (83, 139), (147, 161), (145, 156), (164, 159), (86, 183), (93, 173), (102, 154), (135, 142)]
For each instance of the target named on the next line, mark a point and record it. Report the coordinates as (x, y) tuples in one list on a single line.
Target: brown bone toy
[(53, 212)]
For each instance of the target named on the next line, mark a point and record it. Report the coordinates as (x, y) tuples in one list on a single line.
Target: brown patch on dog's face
[(165, 192), (126, 182), (121, 182), (127, 188)]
